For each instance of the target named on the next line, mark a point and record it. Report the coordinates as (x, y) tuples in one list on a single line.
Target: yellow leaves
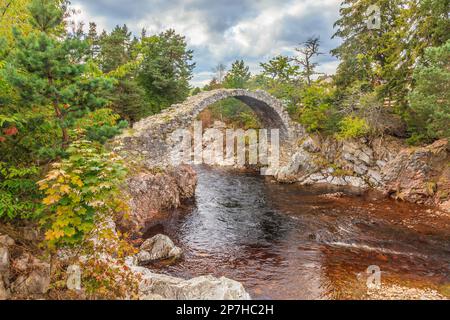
[(65, 189), (76, 181), (51, 235), (54, 174), (79, 189), (51, 199), (42, 185)]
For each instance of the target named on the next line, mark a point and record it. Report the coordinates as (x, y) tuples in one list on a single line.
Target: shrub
[(19, 196), (99, 125), (317, 112), (315, 119), (78, 190), (352, 127)]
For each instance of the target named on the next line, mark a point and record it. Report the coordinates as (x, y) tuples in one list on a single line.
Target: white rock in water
[(157, 248), (154, 285)]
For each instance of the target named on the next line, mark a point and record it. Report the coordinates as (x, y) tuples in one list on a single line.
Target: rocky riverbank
[(152, 192), (415, 174)]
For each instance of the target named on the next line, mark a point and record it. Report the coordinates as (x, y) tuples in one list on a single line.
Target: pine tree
[(238, 76), (49, 71), (166, 69), (429, 116), (115, 48), (93, 39), (129, 101), (384, 58)]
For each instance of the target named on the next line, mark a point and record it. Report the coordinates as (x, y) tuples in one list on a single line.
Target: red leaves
[(10, 131)]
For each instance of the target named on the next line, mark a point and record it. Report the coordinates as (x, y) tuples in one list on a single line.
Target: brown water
[(294, 242)]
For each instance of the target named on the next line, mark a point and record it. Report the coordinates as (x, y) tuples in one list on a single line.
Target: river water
[(297, 242)]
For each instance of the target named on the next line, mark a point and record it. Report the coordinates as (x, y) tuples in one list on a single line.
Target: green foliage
[(115, 48), (280, 68), (234, 113), (238, 76), (99, 125), (13, 13), (46, 15), (352, 127), (385, 58), (196, 91), (429, 115), (317, 112), (129, 100), (78, 190), (165, 70), (51, 72), (19, 197), (309, 50)]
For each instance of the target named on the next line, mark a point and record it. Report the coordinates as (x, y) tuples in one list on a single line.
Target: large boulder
[(153, 191), (420, 175), (302, 163), (159, 286), (157, 248)]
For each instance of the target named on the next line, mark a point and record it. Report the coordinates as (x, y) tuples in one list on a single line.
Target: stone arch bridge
[(148, 139)]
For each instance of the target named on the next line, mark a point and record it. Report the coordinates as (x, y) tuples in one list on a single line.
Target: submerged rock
[(157, 248), (159, 286), (397, 292)]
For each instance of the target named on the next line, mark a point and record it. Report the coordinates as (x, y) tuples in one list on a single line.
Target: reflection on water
[(293, 242)]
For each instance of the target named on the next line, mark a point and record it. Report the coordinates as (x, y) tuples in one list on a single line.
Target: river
[(285, 241)]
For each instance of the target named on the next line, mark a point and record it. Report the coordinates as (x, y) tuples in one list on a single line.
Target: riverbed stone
[(158, 247)]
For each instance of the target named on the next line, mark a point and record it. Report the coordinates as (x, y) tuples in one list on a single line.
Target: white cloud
[(223, 31)]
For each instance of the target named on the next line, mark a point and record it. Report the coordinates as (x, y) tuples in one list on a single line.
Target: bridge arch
[(149, 136), (268, 109)]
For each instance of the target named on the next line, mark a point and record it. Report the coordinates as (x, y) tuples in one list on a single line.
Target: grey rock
[(200, 288), (381, 163), (4, 259), (310, 145), (4, 272), (157, 248), (6, 240), (316, 177), (360, 169), (374, 177), (355, 182), (35, 278)]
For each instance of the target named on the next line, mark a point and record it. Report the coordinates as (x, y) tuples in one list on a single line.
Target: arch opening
[(268, 110)]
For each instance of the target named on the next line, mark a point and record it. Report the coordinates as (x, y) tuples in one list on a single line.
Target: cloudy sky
[(221, 31)]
